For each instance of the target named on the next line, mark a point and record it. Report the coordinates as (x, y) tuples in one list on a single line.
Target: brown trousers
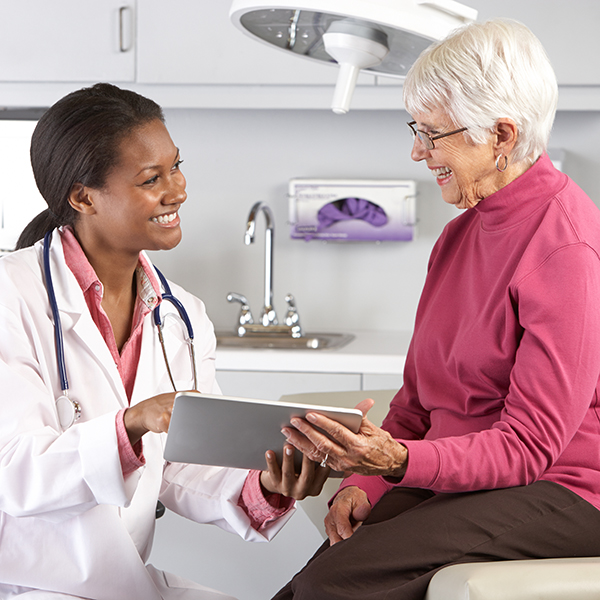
[(412, 533)]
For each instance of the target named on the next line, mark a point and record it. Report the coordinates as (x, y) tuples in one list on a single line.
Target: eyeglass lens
[(427, 139), (424, 137)]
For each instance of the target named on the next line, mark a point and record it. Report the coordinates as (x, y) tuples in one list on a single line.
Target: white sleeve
[(210, 495), (67, 472)]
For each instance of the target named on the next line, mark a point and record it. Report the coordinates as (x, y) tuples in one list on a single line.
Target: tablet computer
[(236, 432)]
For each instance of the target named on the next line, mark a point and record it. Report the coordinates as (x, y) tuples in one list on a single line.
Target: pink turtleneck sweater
[(501, 378)]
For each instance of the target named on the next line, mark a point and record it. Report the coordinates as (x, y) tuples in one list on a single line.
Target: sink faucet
[(268, 320), (245, 317), (268, 316)]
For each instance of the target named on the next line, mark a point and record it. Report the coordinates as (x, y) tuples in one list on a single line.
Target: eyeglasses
[(428, 139)]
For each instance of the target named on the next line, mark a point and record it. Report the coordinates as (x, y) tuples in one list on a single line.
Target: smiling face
[(465, 172), (137, 208)]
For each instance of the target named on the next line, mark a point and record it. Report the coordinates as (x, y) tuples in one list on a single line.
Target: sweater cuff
[(424, 464)]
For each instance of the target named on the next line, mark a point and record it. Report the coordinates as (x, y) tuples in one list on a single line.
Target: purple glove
[(351, 208)]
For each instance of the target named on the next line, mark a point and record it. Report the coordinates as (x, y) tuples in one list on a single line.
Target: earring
[(498, 163)]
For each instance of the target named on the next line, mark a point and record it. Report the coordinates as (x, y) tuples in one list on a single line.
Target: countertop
[(373, 352)]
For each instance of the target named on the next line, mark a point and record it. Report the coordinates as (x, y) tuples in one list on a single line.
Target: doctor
[(78, 495)]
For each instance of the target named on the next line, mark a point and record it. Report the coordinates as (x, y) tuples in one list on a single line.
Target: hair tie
[(498, 163)]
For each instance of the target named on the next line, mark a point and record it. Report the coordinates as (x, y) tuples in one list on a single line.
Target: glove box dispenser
[(352, 210)]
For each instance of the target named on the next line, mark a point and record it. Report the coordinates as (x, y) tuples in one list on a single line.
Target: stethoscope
[(69, 410)]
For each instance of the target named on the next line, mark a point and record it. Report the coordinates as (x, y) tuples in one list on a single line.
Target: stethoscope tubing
[(58, 337), (169, 297), (68, 417)]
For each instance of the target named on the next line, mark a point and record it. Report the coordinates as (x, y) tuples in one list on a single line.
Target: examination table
[(541, 579)]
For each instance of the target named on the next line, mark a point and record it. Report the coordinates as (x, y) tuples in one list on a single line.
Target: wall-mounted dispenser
[(352, 210)]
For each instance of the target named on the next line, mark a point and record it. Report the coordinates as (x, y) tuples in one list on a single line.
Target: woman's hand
[(371, 451), (349, 509), (153, 414), (284, 480)]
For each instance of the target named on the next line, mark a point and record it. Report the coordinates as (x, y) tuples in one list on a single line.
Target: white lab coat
[(70, 523)]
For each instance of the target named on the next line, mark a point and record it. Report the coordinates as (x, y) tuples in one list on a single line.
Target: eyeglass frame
[(430, 139)]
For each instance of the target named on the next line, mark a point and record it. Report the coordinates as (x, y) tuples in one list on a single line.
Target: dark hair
[(77, 141)]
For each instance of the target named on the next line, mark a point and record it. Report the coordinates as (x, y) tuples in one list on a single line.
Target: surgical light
[(381, 37)]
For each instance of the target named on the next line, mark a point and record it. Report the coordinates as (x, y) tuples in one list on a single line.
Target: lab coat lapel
[(77, 321)]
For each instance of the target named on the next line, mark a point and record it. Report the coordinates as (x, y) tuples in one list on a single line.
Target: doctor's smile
[(166, 219)]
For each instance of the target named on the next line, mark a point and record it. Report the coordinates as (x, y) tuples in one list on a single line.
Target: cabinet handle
[(123, 47)]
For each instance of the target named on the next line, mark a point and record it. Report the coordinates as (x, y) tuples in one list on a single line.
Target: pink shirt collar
[(148, 284)]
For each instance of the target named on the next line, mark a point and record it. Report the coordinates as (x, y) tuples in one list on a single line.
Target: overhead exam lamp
[(382, 37)]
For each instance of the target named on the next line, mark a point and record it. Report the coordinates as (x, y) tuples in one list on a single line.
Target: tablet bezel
[(200, 424)]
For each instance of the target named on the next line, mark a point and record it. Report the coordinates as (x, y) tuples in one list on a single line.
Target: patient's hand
[(349, 509), (284, 479)]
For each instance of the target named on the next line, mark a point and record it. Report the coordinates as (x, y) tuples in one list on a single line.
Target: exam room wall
[(234, 158)]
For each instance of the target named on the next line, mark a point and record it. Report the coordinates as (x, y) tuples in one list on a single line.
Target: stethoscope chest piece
[(68, 411)]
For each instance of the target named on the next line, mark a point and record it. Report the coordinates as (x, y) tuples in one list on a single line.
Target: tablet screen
[(236, 432)]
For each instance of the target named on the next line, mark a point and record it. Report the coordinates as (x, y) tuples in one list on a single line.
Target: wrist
[(400, 464), (265, 484), (134, 429)]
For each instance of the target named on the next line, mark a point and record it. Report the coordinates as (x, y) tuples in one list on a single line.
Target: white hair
[(483, 72)]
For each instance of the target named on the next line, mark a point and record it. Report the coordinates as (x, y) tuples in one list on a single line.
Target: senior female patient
[(490, 449), (78, 500)]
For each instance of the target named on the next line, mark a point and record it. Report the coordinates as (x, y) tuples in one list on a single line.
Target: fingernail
[(288, 451), (311, 417), (286, 432)]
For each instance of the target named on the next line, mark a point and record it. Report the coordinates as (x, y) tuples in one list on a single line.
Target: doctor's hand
[(153, 414), (284, 480), (371, 451), (349, 509)]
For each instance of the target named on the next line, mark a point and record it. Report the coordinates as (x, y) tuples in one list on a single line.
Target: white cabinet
[(67, 40), (272, 385), (567, 30), (187, 54)]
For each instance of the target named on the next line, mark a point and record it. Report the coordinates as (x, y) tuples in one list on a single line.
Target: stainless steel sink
[(309, 341)]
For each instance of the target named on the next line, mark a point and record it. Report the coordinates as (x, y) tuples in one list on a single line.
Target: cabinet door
[(567, 30), (67, 40), (192, 42), (273, 385), (382, 382)]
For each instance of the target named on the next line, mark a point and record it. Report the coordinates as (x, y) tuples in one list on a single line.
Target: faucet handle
[(245, 317), (292, 318)]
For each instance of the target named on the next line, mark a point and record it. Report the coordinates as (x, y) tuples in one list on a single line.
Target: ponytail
[(37, 228)]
